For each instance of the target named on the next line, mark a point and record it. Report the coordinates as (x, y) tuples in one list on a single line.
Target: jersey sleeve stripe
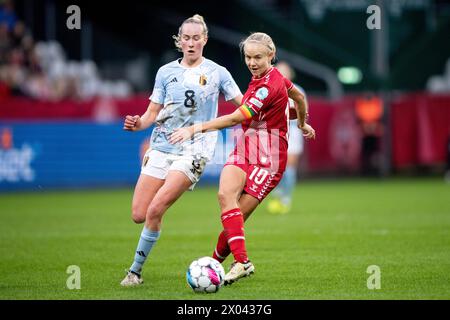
[(247, 111)]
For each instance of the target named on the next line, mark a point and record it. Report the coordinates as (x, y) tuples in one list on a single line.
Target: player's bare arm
[(229, 120), (138, 123), (237, 101), (301, 108), (300, 105)]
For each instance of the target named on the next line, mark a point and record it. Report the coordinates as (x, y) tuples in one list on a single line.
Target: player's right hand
[(132, 123), (308, 131), (180, 135)]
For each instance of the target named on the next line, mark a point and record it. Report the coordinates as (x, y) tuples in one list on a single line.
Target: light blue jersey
[(189, 96)]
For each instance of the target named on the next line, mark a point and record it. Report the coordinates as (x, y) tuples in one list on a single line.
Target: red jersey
[(261, 149), (265, 103)]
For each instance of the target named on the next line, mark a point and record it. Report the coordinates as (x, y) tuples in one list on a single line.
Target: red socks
[(233, 233), (222, 249)]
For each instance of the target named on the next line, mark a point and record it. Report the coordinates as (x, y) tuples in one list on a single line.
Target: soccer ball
[(205, 275)]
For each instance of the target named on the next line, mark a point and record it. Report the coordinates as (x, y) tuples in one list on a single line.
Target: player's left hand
[(308, 131), (181, 134)]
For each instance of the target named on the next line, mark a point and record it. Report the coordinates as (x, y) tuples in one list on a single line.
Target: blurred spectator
[(7, 14), (369, 111), (14, 73), (17, 34), (41, 71), (5, 42)]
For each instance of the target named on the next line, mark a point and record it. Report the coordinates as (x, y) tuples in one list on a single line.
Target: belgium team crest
[(202, 80)]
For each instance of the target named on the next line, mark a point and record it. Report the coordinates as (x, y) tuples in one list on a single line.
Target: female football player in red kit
[(258, 161)]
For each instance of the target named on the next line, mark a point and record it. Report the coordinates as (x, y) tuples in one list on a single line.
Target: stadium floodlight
[(349, 75)]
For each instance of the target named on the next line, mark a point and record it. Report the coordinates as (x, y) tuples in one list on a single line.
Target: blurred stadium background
[(379, 100)]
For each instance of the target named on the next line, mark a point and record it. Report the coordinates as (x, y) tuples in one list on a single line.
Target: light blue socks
[(286, 186), (145, 245)]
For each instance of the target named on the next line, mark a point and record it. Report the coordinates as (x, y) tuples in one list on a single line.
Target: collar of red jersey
[(265, 74)]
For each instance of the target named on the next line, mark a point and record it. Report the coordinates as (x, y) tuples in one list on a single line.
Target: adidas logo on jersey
[(173, 80)]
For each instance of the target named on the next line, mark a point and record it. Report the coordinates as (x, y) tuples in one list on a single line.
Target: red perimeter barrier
[(420, 129)]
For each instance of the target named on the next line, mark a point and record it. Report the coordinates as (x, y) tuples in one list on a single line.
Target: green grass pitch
[(320, 250)]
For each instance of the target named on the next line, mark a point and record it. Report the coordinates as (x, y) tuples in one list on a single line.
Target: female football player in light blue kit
[(186, 92), (281, 201)]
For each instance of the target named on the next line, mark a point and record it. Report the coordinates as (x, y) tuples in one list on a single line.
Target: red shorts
[(263, 172)]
